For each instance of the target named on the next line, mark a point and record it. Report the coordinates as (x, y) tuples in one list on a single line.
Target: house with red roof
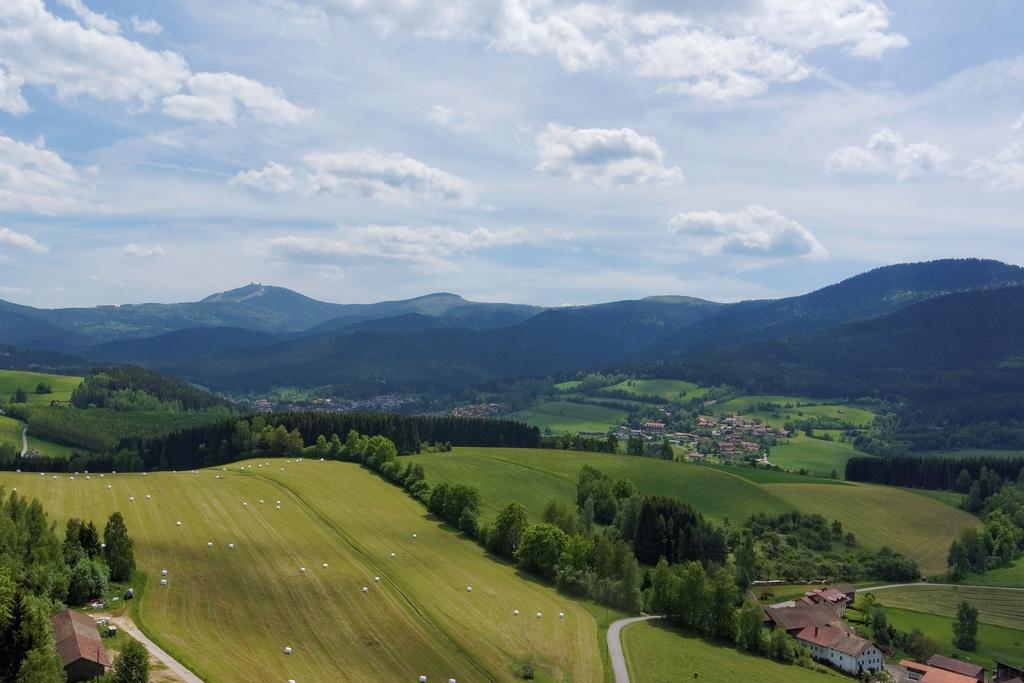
[(841, 648), (79, 647), (923, 673)]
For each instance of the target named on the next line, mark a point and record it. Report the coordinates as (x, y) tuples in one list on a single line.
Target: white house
[(844, 650)]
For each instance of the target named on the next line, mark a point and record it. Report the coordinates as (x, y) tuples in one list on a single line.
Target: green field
[(228, 614), (567, 386), (1012, 575), (995, 642), (918, 526), (10, 430), (744, 405), (814, 455), (999, 607), (658, 653), (565, 416), (668, 389), (12, 380)]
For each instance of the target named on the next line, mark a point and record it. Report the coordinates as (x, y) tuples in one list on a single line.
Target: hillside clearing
[(799, 408), (62, 385), (668, 389), (566, 416), (815, 455), (995, 642), (996, 607), (920, 527)]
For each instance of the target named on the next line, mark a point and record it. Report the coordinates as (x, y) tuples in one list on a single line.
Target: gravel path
[(615, 647), (129, 627)]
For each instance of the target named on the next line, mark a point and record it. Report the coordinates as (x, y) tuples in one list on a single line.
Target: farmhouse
[(828, 596), (796, 617), (958, 666), (79, 647), (841, 648), (933, 674)]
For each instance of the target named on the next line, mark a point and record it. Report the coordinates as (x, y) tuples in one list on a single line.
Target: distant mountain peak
[(248, 292)]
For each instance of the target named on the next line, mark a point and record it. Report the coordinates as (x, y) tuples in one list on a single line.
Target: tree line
[(936, 472)]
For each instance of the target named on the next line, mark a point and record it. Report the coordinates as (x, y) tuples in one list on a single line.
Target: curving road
[(615, 647), (179, 670), (24, 440), (946, 585)]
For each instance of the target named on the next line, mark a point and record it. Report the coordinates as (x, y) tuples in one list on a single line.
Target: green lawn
[(12, 380), (815, 455), (995, 606), (1004, 576), (565, 416), (744, 405), (917, 526), (658, 653), (995, 642), (228, 613), (668, 389)]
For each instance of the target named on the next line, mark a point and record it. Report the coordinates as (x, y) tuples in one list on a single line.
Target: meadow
[(566, 416), (1012, 576), (10, 430), (995, 606), (668, 389), (918, 526), (995, 642), (228, 613), (658, 653), (745, 405), (62, 385), (815, 455)]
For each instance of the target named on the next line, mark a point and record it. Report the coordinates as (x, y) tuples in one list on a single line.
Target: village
[(734, 437)]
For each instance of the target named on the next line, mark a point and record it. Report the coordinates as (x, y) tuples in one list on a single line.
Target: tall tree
[(965, 628), (507, 533), (118, 551), (132, 665)]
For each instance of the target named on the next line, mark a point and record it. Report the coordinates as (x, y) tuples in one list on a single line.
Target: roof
[(844, 588), (935, 675), (801, 615), (835, 638), (956, 665), (77, 638)]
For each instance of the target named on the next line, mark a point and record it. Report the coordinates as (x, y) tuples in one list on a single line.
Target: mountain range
[(258, 337)]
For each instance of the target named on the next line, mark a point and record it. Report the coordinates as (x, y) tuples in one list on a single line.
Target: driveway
[(179, 670), (615, 647)]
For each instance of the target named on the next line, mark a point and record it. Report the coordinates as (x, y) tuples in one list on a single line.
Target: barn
[(79, 647)]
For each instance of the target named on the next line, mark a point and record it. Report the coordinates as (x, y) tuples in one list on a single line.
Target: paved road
[(947, 585), (615, 647), (24, 440), (129, 627)]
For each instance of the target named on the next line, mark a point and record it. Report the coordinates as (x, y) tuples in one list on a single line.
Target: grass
[(1011, 576), (228, 613), (10, 430), (996, 607), (920, 527), (658, 653), (565, 416), (668, 389), (745, 405), (814, 455), (12, 380), (995, 642), (567, 386), (533, 477)]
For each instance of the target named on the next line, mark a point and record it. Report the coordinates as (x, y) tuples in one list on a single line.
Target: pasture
[(798, 408), (997, 607), (1012, 576), (228, 613), (565, 416), (668, 389), (920, 527), (62, 385), (10, 430), (814, 455), (994, 642), (658, 653)]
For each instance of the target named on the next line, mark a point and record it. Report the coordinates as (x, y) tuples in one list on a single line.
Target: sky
[(533, 151)]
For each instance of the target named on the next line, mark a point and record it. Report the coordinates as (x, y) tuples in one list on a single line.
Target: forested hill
[(863, 297)]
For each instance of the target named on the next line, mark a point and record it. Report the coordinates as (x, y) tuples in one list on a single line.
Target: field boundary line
[(366, 558)]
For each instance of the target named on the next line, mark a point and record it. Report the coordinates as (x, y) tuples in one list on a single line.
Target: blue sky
[(540, 151)]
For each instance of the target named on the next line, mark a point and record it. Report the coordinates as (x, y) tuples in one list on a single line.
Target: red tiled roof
[(956, 665), (77, 638), (802, 615), (835, 639), (935, 675)]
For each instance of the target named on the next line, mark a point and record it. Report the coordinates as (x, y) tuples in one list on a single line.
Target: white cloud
[(11, 99), (219, 98), (111, 282), (133, 249), (92, 58), (366, 172), (458, 120), (722, 55), (34, 179), (430, 247), (752, 231), (604, 156), (22, 241), (273, 177), (885, 154), (6, 289), (1005, 171), (150, 27)]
